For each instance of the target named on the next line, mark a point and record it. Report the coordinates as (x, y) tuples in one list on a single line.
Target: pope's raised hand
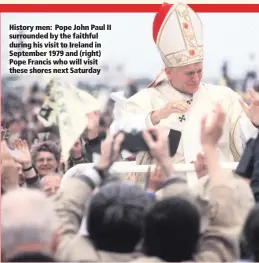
[(252, 110)]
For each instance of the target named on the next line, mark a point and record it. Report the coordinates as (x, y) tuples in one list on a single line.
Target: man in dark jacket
[(255, 169)]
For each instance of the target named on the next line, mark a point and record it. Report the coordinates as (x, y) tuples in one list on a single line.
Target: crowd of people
[(43, 215), (56, 210), (250, 79)]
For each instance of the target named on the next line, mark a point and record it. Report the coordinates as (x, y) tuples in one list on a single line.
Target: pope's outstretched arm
[(242, 129), (134, 113), (140, 105)]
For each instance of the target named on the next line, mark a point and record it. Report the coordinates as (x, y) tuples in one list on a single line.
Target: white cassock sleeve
[(119, 101), (140, 105), (133, 113), (241, 129)]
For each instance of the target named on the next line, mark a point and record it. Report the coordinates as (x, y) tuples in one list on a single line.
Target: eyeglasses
[(42, 160)]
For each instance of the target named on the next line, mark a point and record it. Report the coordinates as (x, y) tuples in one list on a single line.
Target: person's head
[(14, 126), (29, 223), (46, 157), (50, 183), (115, 217), (251, 233), (172, 229), (185, 79)]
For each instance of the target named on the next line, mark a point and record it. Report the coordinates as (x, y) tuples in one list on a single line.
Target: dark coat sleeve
[(255, 174)]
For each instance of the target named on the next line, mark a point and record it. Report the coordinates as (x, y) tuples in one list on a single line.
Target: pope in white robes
[(178, 99)]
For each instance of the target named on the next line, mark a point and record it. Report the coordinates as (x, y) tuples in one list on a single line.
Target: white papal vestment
[(237, 128)]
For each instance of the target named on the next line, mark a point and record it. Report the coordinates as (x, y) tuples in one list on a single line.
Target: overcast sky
[(226, 36)]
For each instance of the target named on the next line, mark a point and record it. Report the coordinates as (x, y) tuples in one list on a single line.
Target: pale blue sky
[(226, 36)]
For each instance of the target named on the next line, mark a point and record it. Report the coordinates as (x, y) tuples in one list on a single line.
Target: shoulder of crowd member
[(84, 172), (79, 249), (240, 195), (71, 162), (244, 197), (90, 177), (144, 92), (75, 170), (228, 206), (176, 186), (84, 250)]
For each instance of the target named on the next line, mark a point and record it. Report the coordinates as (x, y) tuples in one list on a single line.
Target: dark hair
[(31, 257), (251, 232), (115, 217), (171, 230), (46, 146)]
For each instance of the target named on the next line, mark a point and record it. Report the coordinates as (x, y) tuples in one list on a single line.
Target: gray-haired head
[(50, 183), (28, 222)]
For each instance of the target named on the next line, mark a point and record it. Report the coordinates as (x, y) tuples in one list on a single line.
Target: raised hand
[(23, 155), (159, 148), (76, 151), (210, 134), (93, 126), (9, 173), (110, 149), (155, 180), (200, 165), (252, 110)]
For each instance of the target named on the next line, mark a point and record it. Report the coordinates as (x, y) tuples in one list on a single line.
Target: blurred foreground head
[(28, 226), (115, 217), (172, 229)]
